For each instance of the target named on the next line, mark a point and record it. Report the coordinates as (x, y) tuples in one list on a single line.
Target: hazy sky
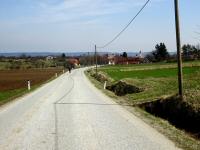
[(76, 25)]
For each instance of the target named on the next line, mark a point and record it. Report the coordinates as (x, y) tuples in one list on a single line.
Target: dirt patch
[(177, 112), (122, 88)]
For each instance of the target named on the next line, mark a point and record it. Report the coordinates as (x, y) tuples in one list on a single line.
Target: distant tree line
[(89, 60), (161, 54), (191, 52), (29, 62)]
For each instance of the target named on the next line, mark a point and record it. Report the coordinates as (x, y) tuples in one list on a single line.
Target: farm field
[(13, 83), (158, 80)]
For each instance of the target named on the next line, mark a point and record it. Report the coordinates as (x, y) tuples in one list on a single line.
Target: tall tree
[(125, 55), (187, 50), (198, 50), (63, 55), (160, 53), (190, 51)]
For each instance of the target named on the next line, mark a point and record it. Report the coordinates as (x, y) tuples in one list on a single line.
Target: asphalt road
[(70, 114)]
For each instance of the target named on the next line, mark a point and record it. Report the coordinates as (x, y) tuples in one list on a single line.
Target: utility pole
[(96, 58), (88, 59), (179, 54)]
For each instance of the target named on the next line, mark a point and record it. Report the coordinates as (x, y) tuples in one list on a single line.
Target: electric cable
[(125, 26)]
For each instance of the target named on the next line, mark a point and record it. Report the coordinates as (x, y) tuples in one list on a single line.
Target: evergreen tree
[(160, 53), (125, 55)]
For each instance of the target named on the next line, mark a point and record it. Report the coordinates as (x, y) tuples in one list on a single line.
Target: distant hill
[(43, 54), (18, 54), (71, 54)]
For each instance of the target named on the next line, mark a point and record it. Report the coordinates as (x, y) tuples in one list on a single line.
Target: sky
[(77, 25)]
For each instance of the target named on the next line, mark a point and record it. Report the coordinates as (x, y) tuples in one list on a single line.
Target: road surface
[(70, 114)]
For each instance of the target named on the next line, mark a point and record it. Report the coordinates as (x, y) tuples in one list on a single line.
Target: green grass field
[(119, 74), (158, 80)]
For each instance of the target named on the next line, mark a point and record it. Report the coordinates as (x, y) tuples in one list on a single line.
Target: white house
[(49, 58)]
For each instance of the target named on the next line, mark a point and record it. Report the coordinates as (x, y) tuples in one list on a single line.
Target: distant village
[(109, 59), (28, 61), (124, 59), (72, 60)]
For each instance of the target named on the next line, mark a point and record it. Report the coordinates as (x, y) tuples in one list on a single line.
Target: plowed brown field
[(16, 79)]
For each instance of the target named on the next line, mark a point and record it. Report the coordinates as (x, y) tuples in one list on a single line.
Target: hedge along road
[(69, 113)]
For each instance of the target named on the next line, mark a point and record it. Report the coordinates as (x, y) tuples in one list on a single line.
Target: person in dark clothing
[(69, 68)]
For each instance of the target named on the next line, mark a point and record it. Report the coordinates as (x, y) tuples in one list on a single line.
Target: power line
[(125, 26)]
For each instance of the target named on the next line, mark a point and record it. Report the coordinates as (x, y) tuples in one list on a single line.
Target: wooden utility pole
[(179, 53), (96, 58)]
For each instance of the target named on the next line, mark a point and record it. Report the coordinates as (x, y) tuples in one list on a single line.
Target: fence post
[(104, 87), (29, 85)]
